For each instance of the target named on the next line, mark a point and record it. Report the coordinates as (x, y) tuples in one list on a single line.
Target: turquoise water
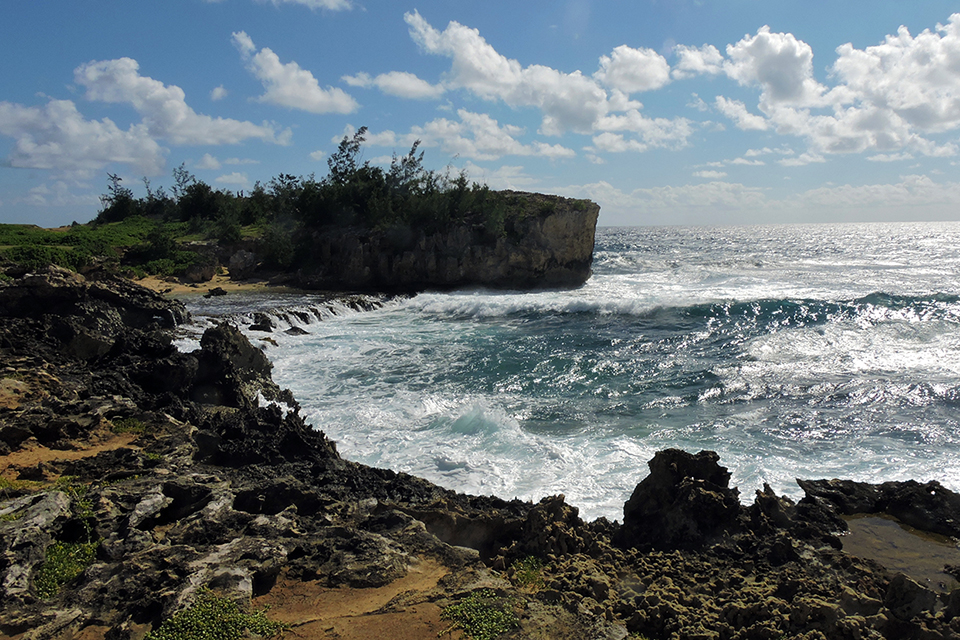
[(794, 351)]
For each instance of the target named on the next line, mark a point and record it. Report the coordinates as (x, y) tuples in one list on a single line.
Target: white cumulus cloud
[(918, 78), (888, 98), (480, 137), (652, 132), (710, 175), (163, 108), (693, 61), (737, 111), (568, 101), (397, 83), (801, 160), (780, 64), (503, 177), (59, 194), (208, 162), (633, 70), (235, 179), (616, 143), (57, 136), (288, 85), (475, 136)]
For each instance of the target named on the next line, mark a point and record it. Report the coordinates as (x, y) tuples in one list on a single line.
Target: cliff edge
[(544, 242)]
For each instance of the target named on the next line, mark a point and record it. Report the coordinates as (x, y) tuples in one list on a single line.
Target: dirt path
[(315, 612), (32, 456)]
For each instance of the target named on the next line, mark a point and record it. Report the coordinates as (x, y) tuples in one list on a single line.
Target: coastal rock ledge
[(546, 242), (140, 483)]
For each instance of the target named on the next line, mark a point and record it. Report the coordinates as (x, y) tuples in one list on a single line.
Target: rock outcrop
[(927, 506), (547, 244), (684, 502), (176, 474)]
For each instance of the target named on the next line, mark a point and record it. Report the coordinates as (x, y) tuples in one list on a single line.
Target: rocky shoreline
[(182, 474)]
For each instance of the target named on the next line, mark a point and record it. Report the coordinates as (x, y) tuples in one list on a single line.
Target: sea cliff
[(169, 478), (544, 242)]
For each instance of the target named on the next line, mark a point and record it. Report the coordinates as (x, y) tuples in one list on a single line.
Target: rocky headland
[(169, 478), (543, 241)]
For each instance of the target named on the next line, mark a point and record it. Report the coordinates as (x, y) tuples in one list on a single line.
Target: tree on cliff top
[(353, 193)]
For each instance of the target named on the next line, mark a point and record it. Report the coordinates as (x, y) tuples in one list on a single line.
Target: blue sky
[(664, 112)]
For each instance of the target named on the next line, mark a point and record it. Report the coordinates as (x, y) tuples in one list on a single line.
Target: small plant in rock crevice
[(128, 425), (527, 573), (64, 561), (482, 615)]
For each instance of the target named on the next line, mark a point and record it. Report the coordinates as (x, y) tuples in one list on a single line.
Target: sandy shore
[(174, 288)]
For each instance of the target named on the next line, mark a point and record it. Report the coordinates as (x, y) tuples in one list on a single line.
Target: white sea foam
[(769, 345)]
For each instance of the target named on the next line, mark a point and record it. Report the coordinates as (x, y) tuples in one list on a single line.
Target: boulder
[(684, 502), (262, 322), (114, 303), (200, 273), (231, 371), (242, 264)]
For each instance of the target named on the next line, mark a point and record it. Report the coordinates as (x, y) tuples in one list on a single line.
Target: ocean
[(794, 351)]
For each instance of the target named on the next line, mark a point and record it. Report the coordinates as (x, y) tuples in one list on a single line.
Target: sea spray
[(793, 351)]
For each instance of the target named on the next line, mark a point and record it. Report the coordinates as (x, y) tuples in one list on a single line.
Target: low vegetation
[(152, 234), (213, 617), (128, 425), (527, 573), (64, 561), (482, 615)]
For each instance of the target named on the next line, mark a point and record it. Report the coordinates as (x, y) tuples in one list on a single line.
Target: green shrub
[(128, 425), (64, 561), (214, 618), (278, 247), (36, 257), (482, 615), (528, 573)]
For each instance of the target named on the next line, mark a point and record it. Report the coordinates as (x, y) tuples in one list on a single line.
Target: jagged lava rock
[(927, 506), (685, 501)]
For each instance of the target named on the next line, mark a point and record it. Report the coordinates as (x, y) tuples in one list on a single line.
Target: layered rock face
[(550, 247)]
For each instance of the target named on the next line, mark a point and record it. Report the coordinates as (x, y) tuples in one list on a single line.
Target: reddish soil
[(399, 610)]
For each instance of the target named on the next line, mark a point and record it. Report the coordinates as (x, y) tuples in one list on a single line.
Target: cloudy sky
[(663, 111)]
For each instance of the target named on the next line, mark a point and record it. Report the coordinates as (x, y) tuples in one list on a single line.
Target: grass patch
[(17, 486), (483, 615), (214, 618), (128, 425), (64, 561), (527, 573)]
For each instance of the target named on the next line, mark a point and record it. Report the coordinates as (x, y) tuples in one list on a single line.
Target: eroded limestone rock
[(684, 502)]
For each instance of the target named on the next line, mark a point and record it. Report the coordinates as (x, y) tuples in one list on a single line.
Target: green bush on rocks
[(64, 562), (483, 615), (212, 617)]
